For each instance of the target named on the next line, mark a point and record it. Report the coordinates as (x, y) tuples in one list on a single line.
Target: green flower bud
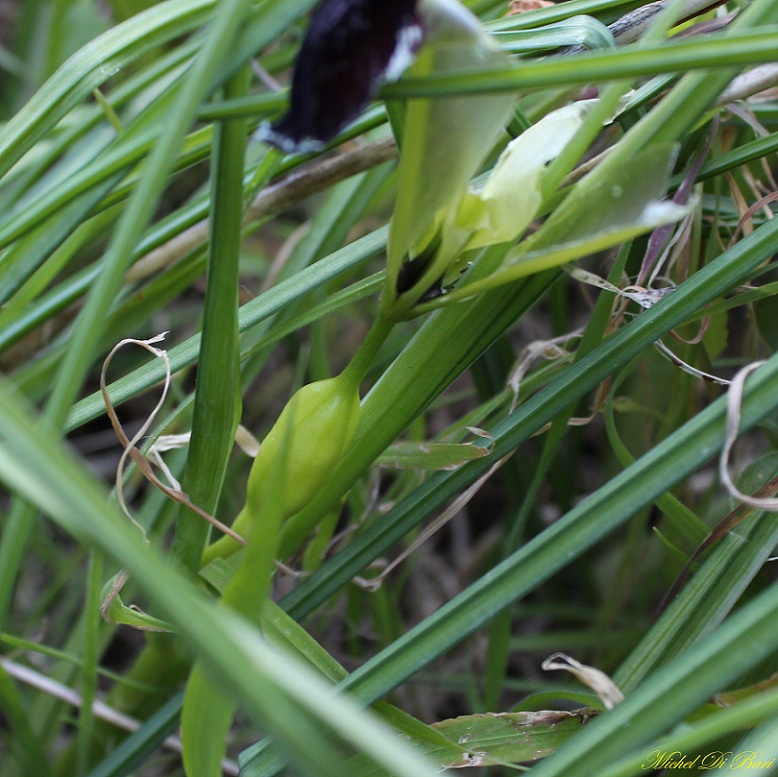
[(312, 432), (311, 435)]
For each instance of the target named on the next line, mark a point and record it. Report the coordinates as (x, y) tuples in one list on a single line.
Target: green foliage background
[(134, 201)]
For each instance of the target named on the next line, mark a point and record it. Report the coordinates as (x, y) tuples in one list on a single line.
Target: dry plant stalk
[(274, 198)]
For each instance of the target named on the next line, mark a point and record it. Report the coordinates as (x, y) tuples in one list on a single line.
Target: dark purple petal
[(349, 47)]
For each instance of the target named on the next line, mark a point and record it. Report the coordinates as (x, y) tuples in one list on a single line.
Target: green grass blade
[(217, 398)]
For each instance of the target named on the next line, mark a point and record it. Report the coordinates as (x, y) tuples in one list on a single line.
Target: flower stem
[(357, 368)]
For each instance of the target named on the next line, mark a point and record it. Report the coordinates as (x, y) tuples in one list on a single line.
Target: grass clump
[(508, 295)]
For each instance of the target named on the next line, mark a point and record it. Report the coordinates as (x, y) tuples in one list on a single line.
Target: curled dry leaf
[(734, 403), (646, 298), (129, 445), (112, 604), (598, 681), (550, 350)]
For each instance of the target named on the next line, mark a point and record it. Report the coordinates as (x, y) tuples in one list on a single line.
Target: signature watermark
[(715, 759)]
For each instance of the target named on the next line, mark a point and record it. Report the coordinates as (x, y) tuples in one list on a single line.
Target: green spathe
[(311, 434), (313, 431)]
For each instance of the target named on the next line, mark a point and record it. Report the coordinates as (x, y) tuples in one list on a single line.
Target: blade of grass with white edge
[(497, 739), (591, 219)]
